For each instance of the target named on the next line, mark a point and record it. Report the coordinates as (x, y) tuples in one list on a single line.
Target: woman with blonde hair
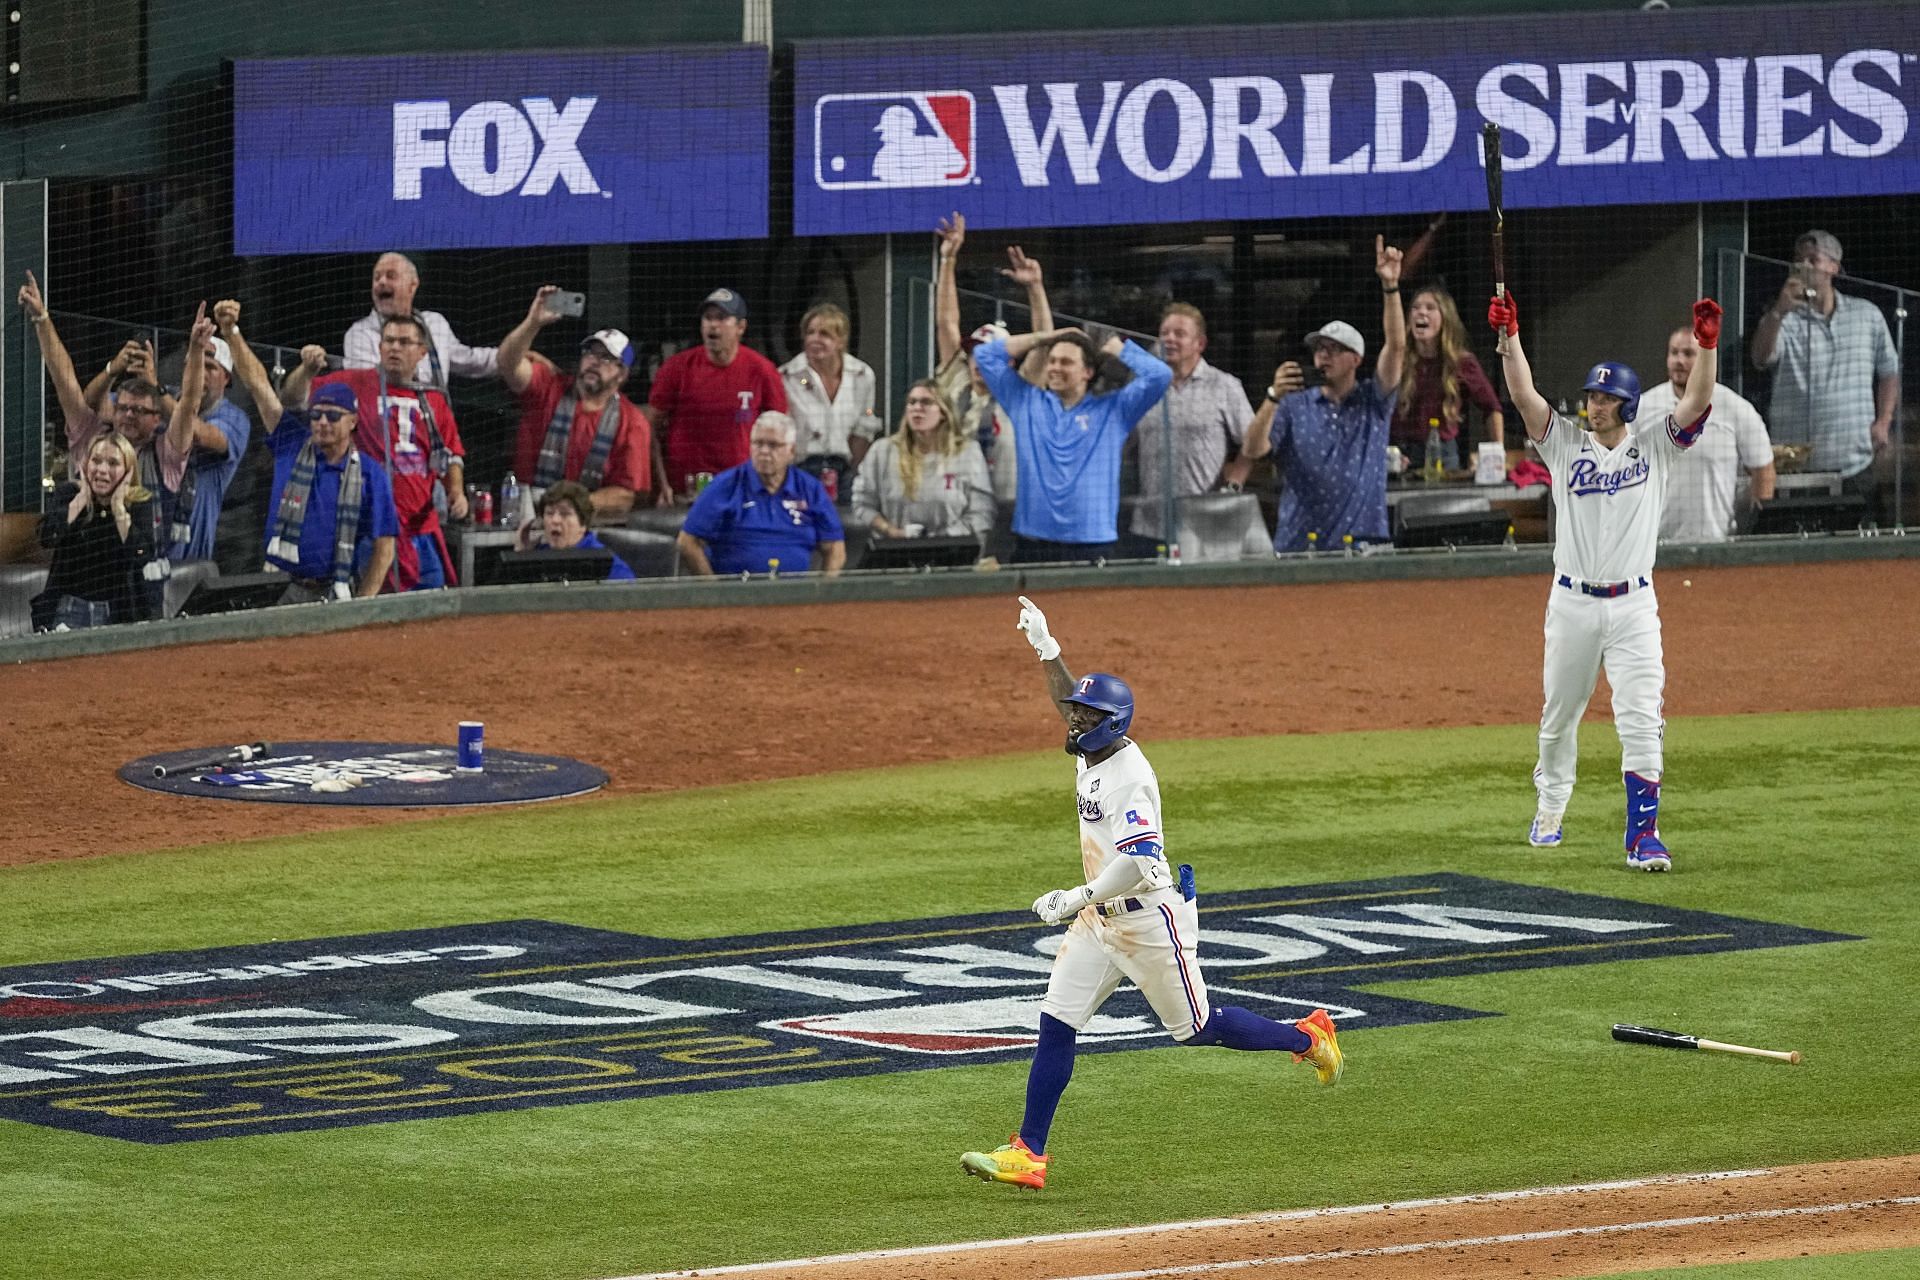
[(927, 479), (831, 395), (1438, 379), (101, 531)]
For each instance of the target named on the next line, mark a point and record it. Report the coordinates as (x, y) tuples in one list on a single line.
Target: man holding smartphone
[(1836, 374), (1330, 441), (578, 426)]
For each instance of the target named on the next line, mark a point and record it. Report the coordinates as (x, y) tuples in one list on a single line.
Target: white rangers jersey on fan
[(1607, 502), (1119, 802)]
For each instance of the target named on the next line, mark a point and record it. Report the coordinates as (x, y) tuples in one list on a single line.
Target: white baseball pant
[(1154, 948), (1584, 632)]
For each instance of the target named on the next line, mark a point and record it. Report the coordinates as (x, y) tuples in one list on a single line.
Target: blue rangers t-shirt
[(745, 526)]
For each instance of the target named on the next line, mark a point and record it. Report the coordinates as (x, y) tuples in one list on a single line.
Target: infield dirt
[(665, 700)]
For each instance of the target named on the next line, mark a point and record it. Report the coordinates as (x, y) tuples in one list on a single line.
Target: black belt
[(1604, 590)]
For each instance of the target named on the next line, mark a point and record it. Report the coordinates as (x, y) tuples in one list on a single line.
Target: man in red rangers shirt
[(411, 432), (705, 399)]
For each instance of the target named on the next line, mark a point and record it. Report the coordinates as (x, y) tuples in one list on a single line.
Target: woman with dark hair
[(100, 528), (927, 479), (1438, 379), (564, 510)]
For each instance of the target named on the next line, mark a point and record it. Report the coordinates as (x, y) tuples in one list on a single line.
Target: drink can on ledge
[(472, 747), (701, 479), (483, 508)]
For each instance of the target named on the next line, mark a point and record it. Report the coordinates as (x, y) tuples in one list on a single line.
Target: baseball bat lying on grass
[(232, 755), (1675, 1040)]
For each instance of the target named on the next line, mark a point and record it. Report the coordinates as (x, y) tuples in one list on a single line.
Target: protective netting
[(1239, 177)]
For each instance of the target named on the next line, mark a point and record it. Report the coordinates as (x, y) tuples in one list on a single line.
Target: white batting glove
[(1034, 623), (1062, 904)]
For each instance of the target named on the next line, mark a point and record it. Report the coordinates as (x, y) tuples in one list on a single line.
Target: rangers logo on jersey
[(1089, 809), (869, 141), (1585, 477)]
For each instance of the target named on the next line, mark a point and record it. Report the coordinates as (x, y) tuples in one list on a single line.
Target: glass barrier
[(1826, 364)]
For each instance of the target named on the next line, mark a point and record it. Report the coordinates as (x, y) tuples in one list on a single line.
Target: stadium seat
[(648, 554), (186, 575), (1220, 526), (19, 584)]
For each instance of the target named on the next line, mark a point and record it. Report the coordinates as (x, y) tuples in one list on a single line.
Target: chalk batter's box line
[(656, 1038), (967, 931), (637, 1087)]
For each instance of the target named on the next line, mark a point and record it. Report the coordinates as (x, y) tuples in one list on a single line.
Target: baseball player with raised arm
[(1609, 485), (1130, 920)]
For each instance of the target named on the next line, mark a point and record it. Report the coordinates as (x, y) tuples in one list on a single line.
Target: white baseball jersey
[(1153, 941), (1119, 801), (1607, 502), (1700, 494)]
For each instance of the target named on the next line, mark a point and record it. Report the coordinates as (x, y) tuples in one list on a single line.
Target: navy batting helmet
[(1105, 693), (1617, 380)]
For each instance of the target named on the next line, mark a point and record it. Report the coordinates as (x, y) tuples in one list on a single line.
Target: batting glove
[(1062, 904), (1504, 315), (1706, 323), (1034, 623)]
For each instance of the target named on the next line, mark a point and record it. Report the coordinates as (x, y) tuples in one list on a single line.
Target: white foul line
[(1518, 1237), (1290, 1215)]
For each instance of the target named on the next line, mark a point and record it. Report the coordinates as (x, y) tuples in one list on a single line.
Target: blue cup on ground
[(472, 747)]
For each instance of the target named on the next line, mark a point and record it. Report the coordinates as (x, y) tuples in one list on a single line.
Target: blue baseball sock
[(1643, 806), (1232, 1027), (1047, 1080)]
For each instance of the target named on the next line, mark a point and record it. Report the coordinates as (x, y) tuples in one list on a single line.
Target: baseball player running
[(1130, 920), (1609, 485)]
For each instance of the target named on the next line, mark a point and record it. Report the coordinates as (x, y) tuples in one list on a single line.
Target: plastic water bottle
[(1508, 541), (510, 500), (1436, 467)]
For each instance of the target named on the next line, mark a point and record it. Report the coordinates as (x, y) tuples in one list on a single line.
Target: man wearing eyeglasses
[(578, 427), (411, 431), (765, 515), (184, 519), (331, 520)]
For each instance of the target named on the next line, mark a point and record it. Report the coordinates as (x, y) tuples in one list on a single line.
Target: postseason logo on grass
[(435, 1022)]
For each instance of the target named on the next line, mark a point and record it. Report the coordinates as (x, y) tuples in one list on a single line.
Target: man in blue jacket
[(1067, 443)]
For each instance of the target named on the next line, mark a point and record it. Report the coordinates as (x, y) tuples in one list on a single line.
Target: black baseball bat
[(232, 755), (1676, 1040), (1490, 151)]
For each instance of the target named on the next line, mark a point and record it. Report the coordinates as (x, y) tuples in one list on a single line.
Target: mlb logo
[(870, 141)]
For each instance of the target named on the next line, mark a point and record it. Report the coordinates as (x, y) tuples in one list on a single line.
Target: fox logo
[(533, 146)]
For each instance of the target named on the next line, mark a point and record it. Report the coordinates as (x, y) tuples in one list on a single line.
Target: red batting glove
[(1504, 315), (1706, 323)]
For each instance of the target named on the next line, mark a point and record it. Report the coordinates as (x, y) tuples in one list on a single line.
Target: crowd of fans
[(1027, 434)]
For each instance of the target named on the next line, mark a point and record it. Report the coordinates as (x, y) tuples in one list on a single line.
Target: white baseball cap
[(1341, 332), (615, 342), (222, 353), (990, 332)]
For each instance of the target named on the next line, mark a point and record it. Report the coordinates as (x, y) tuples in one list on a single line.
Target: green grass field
[(1802, 819)]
